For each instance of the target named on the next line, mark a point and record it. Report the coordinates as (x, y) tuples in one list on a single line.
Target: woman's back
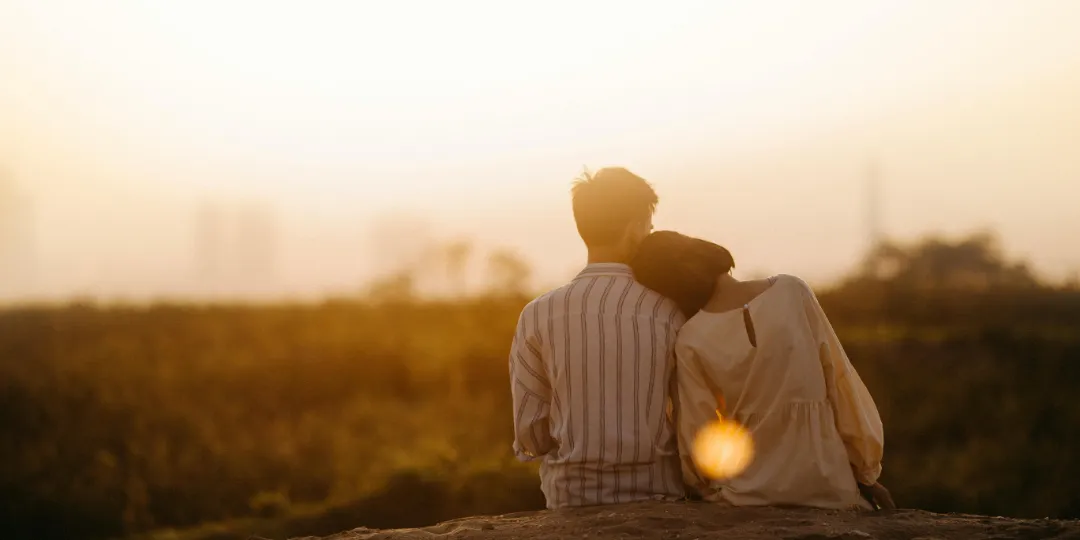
[(771, 364)]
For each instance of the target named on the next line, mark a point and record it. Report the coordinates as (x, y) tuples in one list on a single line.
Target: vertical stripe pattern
[(590, 368)]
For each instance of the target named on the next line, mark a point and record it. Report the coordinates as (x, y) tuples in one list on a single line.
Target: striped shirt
[(591, 368)]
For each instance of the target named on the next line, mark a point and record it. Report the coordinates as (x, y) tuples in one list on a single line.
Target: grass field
[(220, 422)]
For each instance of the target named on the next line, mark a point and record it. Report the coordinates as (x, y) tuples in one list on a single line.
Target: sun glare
[(723, 449)]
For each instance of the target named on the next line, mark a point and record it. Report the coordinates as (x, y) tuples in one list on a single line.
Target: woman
[(763, 354)]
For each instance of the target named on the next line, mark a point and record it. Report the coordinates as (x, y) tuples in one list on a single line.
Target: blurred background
[(260, 262)]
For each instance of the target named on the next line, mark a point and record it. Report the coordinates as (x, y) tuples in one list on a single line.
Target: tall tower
[(875, 232), (235, 248)]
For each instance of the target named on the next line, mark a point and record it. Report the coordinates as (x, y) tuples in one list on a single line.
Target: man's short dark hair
[(608, 201)]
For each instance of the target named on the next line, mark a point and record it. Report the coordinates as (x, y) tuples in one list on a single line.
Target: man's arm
[(531, 392)]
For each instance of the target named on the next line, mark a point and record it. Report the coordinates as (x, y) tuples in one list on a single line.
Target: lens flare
[(723, 449)]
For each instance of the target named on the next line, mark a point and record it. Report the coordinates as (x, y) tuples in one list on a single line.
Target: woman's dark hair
[(681, 268)]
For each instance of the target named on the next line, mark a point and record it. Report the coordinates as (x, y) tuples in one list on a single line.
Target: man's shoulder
[(544, 302), (631, 297), (651, 304), (651, 298), (546, 299)]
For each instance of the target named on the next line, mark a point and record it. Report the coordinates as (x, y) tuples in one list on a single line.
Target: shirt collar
[(606, 269)]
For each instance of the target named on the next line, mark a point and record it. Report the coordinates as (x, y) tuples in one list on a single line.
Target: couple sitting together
[(614, 374)]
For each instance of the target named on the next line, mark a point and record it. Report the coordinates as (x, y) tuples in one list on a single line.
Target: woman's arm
[(854, 410), (695, 407)]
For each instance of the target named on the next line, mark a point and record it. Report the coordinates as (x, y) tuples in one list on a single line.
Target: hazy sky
[(754, 120)]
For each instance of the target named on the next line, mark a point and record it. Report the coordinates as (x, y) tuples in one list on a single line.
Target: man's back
[(590, 371)]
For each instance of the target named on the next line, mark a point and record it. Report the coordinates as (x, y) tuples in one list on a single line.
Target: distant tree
[(1072, 282), (456, 257), (399, 240), (396, 287), (972, 264), (508, 273)]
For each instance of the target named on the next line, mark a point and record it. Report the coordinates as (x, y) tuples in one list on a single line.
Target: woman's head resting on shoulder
[(682, 268)]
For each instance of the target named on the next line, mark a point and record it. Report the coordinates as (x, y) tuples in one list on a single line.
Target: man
[(591, 363)]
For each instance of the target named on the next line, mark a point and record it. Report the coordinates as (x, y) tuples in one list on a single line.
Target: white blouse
[(815, 427)]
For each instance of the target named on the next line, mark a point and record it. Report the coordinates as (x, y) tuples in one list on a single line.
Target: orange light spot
[(723, 449)]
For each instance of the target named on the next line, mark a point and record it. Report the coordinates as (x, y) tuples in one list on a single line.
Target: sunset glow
[(119, 119)]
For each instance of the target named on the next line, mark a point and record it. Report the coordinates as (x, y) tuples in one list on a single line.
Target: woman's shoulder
[(699, 327), (790, 291), (793, 283)]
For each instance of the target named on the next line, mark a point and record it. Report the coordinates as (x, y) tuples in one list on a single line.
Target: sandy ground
[(689, 521)]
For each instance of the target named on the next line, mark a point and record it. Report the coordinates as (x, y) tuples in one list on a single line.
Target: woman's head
[(681, 268)]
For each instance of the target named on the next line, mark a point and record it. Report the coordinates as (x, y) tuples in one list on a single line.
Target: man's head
[(613, 208)]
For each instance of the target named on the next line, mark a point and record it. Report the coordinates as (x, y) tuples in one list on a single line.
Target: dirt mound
[(689, 521)]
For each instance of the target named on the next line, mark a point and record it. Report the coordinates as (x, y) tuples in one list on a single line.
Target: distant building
[(17, 242), (235, 249), (209, 236), (255, 243)]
